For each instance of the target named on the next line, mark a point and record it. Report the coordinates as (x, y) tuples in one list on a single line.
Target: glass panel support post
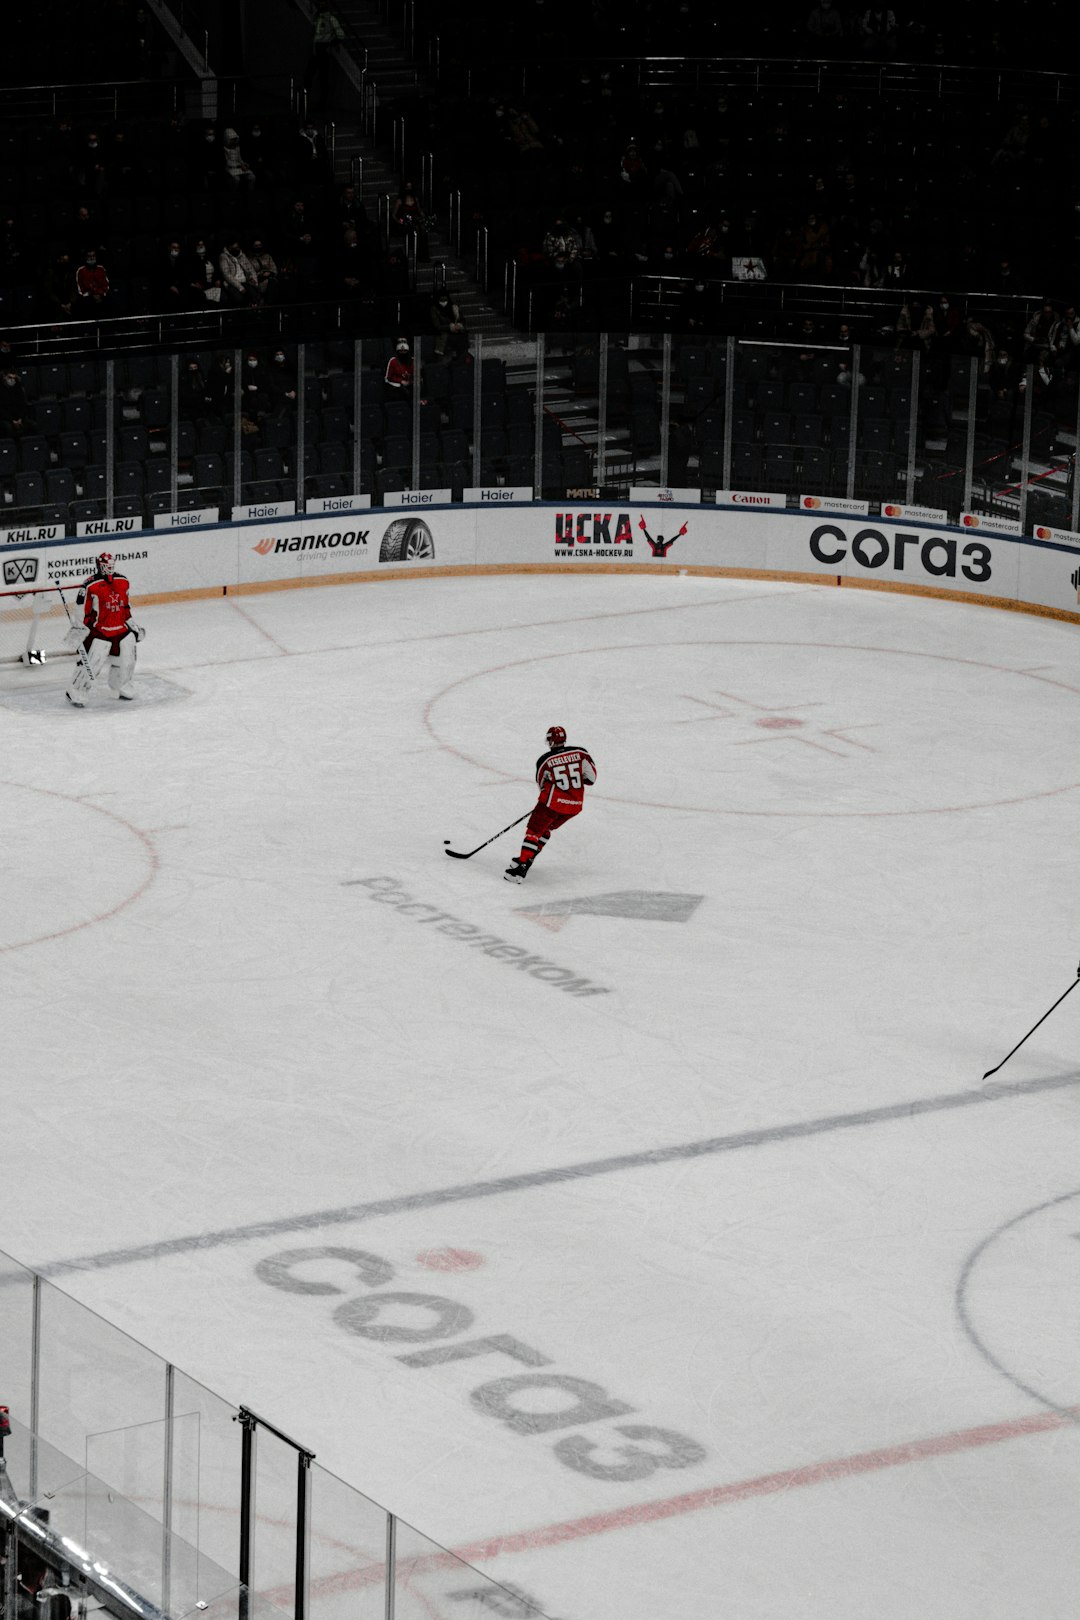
[(853, 420), (357, 400), (665, 409), (248, 1445), (35, 1387), (1074, 510), (538, 425), (913, 429), (301, 423), (174, 430), (477, 424), (167, 1477), (304, 1460), (602, 414), (391, 1565), (729, 408), (416, 387), (1025, 450), (110, 437), (237, 434), (969, 447)]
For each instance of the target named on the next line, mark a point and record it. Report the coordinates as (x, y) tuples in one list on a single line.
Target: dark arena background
[(678, 1229)]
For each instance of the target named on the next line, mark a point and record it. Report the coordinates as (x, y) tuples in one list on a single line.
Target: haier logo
[(20, 570)]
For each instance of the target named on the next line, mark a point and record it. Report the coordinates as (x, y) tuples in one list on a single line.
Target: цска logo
[(20, 570)]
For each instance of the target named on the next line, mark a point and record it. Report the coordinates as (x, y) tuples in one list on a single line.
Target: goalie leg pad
[(122, 668)]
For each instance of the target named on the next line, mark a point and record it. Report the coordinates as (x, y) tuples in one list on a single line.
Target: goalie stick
[(80, 650), (467, 854), (1034, 1027)]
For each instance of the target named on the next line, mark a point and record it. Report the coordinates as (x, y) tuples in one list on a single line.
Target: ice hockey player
[(562, 775), (107, 633)]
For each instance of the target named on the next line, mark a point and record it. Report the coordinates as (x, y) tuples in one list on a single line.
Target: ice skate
[(516, 872)]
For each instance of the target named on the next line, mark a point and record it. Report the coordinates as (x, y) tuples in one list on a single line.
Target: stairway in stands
[(374, 50)]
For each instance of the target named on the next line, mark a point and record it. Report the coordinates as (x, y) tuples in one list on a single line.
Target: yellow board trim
[(259, 588)]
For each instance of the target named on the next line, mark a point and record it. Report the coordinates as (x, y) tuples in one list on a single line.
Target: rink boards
[(974, 563)]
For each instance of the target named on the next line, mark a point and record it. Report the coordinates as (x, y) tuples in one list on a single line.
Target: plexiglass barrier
[(129, 1487), (162, 440)]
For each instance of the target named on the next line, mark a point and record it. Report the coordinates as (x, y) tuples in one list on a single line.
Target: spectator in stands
[(524, 133), (327, 35), (90, 171), (825, 29), (238, 174), (240, 284), (57, 287), (311, 162), (263, 155), (85, 230), (349, 211), (15, 416), (255, 384), (282, 382), (980, 342), (170, 292), (219, 387), (815, 256), (897, 271), (1037, 338), (265, 269), (206, 160), (1014, 144), (194, 399), (609, 240), (1065, 344), (350, 275), (562, 246), (38, 1597), (202, 276), (696, 306), (91, 282), (120, 165), (877, 31), (633, 174), (451, 338), (398, 379), (410, 221)]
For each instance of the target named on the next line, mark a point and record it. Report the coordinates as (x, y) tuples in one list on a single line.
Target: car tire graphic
[(406, 540)]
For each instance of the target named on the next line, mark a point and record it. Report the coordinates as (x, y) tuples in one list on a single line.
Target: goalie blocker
[(106, 636)]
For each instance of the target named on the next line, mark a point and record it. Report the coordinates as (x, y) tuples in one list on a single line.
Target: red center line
[(789, 1479)]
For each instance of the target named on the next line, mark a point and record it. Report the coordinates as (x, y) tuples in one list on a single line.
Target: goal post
[(33, 626)]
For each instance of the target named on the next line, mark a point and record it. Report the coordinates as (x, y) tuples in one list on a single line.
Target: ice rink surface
[(691, 1124)]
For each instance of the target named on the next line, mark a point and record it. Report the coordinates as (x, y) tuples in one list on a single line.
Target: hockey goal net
[(34, 624)]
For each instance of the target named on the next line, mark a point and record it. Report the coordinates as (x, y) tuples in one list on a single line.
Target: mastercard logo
[(811, 502), (1043, 534), (969, 521), (892, 511)]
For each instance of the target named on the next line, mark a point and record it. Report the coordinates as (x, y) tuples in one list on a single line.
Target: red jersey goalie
[(106, 634), (562, 775)]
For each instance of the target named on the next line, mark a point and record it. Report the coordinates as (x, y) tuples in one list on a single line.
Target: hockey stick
[(466, 854), (1034, 1027), (80, 650)]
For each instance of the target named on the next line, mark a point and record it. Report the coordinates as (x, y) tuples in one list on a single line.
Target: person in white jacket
[(238, 274)]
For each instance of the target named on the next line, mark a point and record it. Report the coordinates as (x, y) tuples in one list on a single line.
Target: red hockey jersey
[(562, 775), (107, 608)]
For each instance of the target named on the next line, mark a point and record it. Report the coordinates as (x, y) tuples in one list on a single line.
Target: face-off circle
[(781, 728), (77, 890), (1019, 1301)]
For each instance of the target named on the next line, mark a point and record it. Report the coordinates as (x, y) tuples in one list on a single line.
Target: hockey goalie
[(107, 635)]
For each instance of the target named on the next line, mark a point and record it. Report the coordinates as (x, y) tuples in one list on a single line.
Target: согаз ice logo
[(20, 570)]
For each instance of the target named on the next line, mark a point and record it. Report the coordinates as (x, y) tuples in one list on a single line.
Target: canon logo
[(749, 500)]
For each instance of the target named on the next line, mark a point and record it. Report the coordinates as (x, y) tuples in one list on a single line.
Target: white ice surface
[(208, 1022)]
